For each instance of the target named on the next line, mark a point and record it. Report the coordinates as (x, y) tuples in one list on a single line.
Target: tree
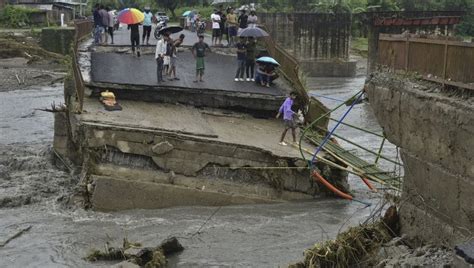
[(171, 5)]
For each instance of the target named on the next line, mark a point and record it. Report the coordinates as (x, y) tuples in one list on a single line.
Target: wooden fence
[(83, 30), (449, 62)]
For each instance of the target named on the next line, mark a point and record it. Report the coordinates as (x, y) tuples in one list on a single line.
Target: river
[(33, 190)]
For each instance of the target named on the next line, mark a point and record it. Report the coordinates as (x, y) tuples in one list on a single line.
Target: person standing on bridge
[(199, 52), (159, 56), (104, 17), (250, 63), (147, 21), (110, 25), (243, 20), (135, 38), (232, 26), (288, 117), (216, 28), (174, 56), (252, 19), (241, 59), (97, 24)]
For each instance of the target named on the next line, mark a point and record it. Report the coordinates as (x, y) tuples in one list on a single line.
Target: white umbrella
[(218, 2)]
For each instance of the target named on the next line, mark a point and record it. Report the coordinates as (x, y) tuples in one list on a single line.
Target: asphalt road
[(219, 74), (122, 37)]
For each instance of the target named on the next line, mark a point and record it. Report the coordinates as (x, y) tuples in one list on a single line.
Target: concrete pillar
[(373, 40)]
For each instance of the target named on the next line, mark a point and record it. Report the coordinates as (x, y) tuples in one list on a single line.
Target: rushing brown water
[(32, 191)]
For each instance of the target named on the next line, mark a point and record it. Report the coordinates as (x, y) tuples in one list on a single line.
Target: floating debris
[(134, 253)]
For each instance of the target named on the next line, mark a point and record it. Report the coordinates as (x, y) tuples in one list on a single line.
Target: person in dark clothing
[(243, 20), (241, 59), (250, 62), (135, 37), (223, 25), (97, 24)]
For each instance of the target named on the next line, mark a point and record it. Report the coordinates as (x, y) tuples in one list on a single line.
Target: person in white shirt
[(216, 28), (159, 56), (252, 19)]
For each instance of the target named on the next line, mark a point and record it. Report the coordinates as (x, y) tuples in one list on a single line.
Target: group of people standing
[(166, 56), (104, 23), (229, 24), (246, 53)]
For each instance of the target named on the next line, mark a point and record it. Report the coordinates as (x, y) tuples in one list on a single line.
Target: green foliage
[(360, 46), (204, 11), (14, 16)]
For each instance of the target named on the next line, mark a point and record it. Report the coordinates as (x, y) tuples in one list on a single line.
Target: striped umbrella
[(130, 16)]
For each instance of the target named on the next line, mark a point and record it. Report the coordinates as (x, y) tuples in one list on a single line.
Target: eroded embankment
[(24, 63), (434, 128)]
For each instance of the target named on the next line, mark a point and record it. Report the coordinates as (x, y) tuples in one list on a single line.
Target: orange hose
[(320, 178), (366, 181)]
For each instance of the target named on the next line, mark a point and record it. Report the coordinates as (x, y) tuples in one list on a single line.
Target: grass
[(360, 46)]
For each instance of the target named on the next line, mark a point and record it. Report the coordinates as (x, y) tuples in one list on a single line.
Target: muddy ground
[(24, 63)]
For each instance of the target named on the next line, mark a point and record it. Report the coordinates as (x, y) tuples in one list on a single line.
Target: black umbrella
[(171, 29), (253, 32)]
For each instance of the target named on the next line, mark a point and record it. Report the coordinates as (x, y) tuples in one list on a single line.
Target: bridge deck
[(125, 69)]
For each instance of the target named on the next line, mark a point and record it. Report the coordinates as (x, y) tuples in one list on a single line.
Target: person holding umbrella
[(251, 48), (241, 59), (133, 17), (199, 52), (266, 71)]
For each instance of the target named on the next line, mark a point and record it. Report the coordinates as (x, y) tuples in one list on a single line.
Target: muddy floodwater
[(32, 191)]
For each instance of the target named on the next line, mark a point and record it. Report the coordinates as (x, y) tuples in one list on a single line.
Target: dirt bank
[(24, 63)]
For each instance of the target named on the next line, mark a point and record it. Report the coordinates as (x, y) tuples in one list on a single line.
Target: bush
[(13, 16)]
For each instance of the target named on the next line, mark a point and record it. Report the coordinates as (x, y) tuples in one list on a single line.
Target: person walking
[(159, 56), (199, 52), (147, 22), (135, 38), (288, 117), (110, 25), (241, 59), (232, 26), (252, 19), (251, 48), (174, 57), (216, 27)]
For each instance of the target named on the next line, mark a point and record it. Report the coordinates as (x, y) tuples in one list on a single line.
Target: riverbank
[(24, 63), (62, 235)]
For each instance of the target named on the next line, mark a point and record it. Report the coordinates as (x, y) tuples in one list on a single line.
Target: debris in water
[(353, 246), (17, 234), (134, 253)]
